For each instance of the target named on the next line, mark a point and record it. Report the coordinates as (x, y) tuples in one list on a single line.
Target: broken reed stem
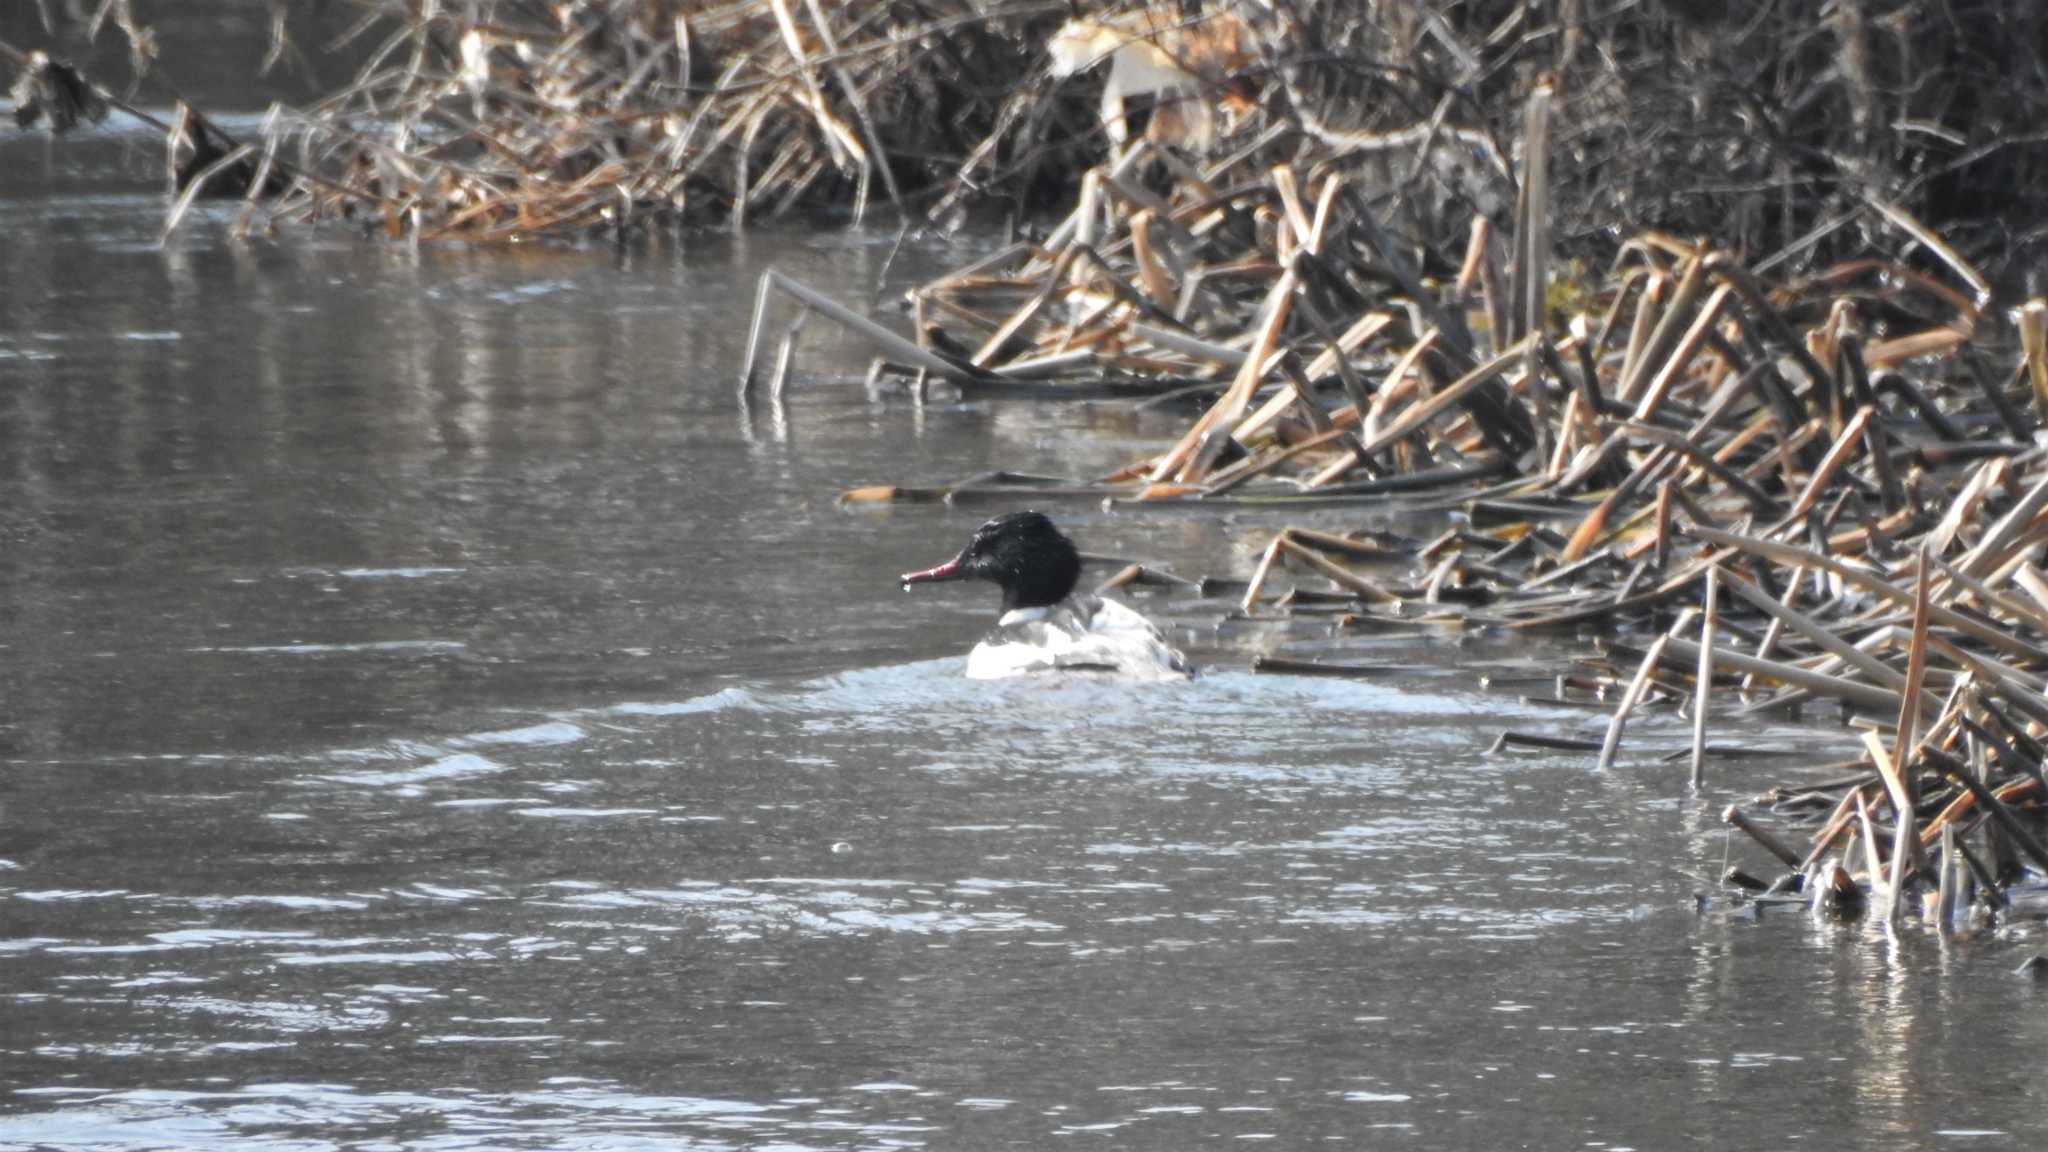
[(1735, 818), (1637, 688), (1705, 678)]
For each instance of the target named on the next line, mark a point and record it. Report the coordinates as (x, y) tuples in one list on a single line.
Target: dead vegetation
[(1783, 131), (1767, 494), (1767, 489)]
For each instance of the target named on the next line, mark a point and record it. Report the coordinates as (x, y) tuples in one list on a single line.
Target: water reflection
[(211, 449)]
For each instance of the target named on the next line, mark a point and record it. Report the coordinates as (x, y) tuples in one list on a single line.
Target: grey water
[(437, 711)]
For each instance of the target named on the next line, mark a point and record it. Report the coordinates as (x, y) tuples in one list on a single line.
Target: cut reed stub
[(1833, 891), (1737, 878)]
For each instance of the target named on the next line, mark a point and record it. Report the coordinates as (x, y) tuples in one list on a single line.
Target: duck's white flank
[(1082, 633)]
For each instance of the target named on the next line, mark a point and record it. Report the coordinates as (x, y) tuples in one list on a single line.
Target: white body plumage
[(1079, 634)]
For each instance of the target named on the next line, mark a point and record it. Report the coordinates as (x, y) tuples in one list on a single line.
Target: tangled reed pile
[(1830, 488), (1771, 127), (516, 119), (1763, 125), (1764, 489)]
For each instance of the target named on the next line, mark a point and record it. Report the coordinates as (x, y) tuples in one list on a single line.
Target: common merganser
[(1045, 626)]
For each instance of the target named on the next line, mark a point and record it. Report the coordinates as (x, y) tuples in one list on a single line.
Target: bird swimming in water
[(1046, 626)]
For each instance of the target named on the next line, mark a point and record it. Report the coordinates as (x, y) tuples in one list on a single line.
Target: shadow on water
[(435, 713)]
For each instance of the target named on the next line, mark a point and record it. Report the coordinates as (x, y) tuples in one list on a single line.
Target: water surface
[(437, 712)]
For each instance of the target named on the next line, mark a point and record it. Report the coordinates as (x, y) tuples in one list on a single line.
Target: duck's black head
[(1022, 553)]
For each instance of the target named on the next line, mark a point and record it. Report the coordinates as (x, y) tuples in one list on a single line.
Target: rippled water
[(436, 712)]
